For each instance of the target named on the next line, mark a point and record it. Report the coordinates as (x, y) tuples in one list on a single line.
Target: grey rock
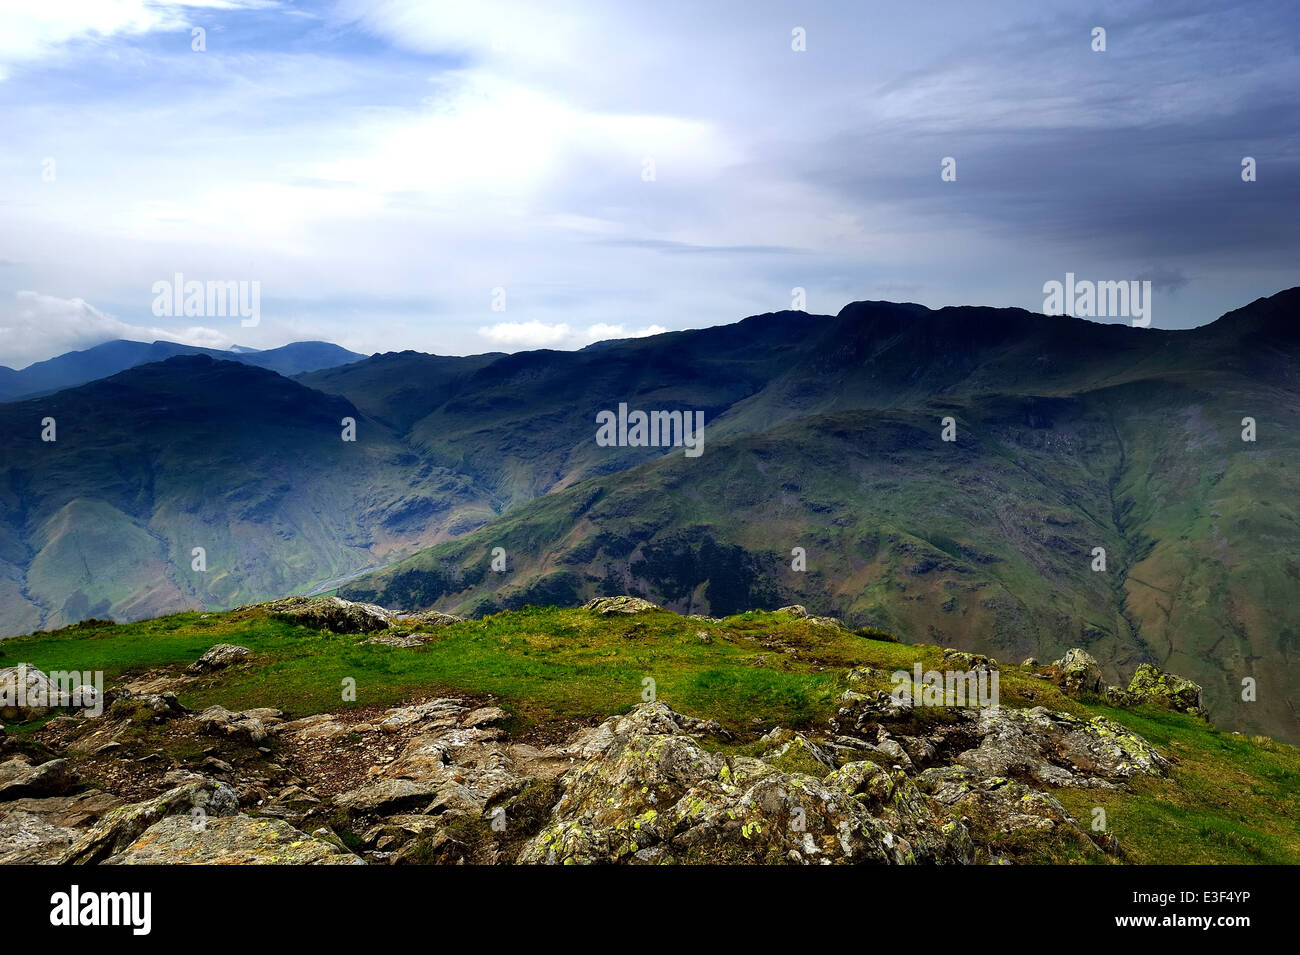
[(219, 657)]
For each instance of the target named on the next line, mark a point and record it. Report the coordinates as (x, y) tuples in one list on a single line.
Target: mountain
[(193, 452), (822, 433), (79, 367), (1070, 436)]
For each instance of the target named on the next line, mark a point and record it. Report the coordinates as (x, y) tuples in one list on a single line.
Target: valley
[(824, 434)]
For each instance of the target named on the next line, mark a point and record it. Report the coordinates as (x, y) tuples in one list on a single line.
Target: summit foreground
[(324, 731)]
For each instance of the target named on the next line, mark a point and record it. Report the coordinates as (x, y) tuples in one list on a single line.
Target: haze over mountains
[(822, 433), (79, 367)]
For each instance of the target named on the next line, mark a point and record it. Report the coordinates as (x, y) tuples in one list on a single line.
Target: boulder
[(25, 693), (116, 831), (219, 657), (388, 796), (230, 840), (245, 727), (1150, 684), (619, 605), (961, 660), (1079, 673), (1057, 749), (330, 613), (318, 726), (40, 830), (141, 707), (429, 715), (20, 779), (661, 798)]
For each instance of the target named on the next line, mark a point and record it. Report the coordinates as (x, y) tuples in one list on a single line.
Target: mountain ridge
[(822, 432), (100, 361)]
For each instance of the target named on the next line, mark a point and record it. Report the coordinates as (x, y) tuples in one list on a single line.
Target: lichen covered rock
[(116, 831), (230, 840), (1150, 684), (660, 797), (1057, 749), (619, 605), (1079, 673)]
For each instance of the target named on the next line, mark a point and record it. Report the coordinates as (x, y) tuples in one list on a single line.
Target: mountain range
[(79, 367), (824, 436)]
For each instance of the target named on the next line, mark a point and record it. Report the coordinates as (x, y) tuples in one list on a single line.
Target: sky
[(462, 177)]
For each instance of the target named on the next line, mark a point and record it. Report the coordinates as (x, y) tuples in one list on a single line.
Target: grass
[(1230, 798)]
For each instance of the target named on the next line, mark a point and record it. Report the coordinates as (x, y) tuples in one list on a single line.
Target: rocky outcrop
[(428, 618), (25, 693), (248, 725), (1056, 749), (40, 830), (962, 660), (1150, 684), (141, 706), (1079, 673), (1007, 807), (605, 606), (120, 828), (650, 793), (19, 778), (329, 613), (219, 657), (441, 781), (403, 641), (230, 840), (801, 612)]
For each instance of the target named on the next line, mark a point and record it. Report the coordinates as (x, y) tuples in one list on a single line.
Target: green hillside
[(1224, 798), (822, 433)]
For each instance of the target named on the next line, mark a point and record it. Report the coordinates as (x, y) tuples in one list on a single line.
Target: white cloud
[(560, 334), (601, 332), (32, 31), (36, 326), (526, 334)]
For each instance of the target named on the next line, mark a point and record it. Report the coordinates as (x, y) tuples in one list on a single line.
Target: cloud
[(1164, 279), (601, 332), (380, 166), (560, 334), (526, 334), (36, 326), (33, 31)]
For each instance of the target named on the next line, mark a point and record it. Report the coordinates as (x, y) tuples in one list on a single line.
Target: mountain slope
[(1119, 438), (79, 367), (822, 432), (193, 452)]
